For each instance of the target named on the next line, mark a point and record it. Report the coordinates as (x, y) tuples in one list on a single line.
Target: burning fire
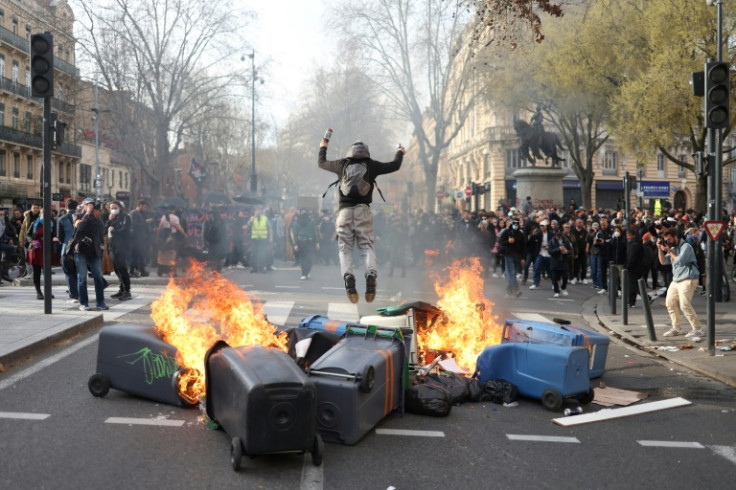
[(467, 324), (192, 314)]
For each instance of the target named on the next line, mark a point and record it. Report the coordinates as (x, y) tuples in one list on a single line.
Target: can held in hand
[(328, 134)]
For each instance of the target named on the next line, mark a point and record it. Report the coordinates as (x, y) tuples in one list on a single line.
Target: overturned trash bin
[(560, 334), (261, 398), (133, 359), (359, 382), (548, 373)]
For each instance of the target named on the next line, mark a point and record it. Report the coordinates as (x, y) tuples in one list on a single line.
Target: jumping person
[(356, 174)]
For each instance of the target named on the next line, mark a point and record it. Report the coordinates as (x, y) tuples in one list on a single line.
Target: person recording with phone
[(356, 179), (685, 275)]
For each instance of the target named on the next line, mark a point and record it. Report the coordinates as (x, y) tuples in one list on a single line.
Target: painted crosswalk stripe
[(288, 287), (24, 416), (407, 432), (278, 312), (522, 437), (347, 312), (312, 476), (689, 445), (142, 421), (728, 452)]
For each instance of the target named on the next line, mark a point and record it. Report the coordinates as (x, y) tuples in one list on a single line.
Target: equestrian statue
[(534, 138)]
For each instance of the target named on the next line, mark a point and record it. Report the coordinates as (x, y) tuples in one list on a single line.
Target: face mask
[(616, 234), (115, 211)]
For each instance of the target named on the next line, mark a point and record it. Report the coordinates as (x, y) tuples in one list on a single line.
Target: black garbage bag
[(474, 390), (321, 343), (456, 385), (499, 391), (428, 399)]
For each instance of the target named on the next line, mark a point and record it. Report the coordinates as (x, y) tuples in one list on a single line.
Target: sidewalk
[(686, 352), (25, 329)]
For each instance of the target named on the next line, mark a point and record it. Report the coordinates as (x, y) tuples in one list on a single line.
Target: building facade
[(21, 116)]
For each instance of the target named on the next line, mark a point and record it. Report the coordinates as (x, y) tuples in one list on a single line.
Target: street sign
[(440, 195), (714, 229), (57, 196), (459, 194), (468, 191)]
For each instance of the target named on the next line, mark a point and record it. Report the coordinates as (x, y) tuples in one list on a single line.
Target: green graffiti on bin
[(155, 366)]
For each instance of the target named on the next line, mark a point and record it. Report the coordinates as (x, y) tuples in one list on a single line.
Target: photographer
[(685, 275), (603, 242)]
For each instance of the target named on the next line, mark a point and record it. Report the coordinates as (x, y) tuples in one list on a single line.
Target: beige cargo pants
[(353, 225)]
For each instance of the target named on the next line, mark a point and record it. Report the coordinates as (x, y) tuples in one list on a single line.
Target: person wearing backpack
[(356, 176)]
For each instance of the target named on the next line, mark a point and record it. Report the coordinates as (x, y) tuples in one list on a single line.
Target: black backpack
[(355, 182)]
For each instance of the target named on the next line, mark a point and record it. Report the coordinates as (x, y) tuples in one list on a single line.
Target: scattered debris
[(607, 397), (668, 348), (511, 405), (725, 348), (689, 346), (613, 413), (451, 366)]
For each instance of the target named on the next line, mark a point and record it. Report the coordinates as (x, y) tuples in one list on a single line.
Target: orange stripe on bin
[(386, 388), (331, 326), (391, 385)]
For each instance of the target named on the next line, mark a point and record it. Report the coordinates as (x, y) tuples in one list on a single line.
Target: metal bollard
[(647, 309), (625, 296), (612, 276)]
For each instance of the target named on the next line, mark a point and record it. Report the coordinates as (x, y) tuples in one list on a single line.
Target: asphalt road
[(56, 435)]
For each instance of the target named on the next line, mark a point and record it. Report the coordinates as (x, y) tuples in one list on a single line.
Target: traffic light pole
[(47, 218)]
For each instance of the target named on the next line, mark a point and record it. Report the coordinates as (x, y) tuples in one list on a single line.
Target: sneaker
[(118, 294), (73, 301), (84, 308), (585, 281), (602, 291), (303, 278), (703, 292), (350, 288), (532, 287), (523, 282), (574, 281), (103, 306), (564, 292), (517, 294), (557, 295), (672, 332), (125, 296), (695, 333), (370, 287), (495, 275)]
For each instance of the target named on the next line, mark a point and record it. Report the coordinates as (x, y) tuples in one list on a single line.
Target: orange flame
[(467, 324), (192, 314)]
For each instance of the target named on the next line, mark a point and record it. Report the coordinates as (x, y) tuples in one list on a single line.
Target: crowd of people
[(525, 245)]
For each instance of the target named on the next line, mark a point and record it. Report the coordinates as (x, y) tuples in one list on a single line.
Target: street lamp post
[(253, 177), (96, 119)]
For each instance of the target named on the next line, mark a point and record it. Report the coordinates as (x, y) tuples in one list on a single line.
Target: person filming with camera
[(685, 273)]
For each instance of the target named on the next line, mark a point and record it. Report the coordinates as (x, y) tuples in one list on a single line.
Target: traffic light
[(716, 94), (42, 65)]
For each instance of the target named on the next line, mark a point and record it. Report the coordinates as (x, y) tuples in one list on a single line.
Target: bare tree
[(417, 55), (172, 56), (498, 20)]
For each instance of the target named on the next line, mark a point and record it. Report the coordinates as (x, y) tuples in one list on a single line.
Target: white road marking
[(522, 437), (333, 289), (347, 312), (688, 445), (10, 381), (406, 432), (312, 476), (142, 421), (728, 452), (278, 312), (560, 299), (24, 416), (288, 287)]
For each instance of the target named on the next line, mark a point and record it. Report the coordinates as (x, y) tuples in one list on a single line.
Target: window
[(120, 178), (27, 121), (2, 65), (3, 170), (126, 180), (85, 177), (15, 26), (68, 173), (680, 168), (16, 165), (29, 167), (2, 114), (15, 117), (486, 163), (513, 159), (28, 81), (106, 175), (660, 166), (60, 168), (610, 162), (16, 70)]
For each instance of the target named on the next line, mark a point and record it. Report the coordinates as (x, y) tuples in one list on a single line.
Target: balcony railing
[(13, 39), (62, 106), (609, 171), (66, 67), (36, 141), (14, 87)]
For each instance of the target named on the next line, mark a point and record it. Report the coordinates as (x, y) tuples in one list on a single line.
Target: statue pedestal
[(544, 185)]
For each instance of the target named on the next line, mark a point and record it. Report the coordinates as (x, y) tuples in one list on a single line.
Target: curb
[(34, 348), (596, 321)]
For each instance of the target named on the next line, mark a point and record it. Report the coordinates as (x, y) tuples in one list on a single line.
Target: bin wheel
[(99, 385), (318, 450), (367, 380), (236, 453), (552, 400), (587, 397)]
